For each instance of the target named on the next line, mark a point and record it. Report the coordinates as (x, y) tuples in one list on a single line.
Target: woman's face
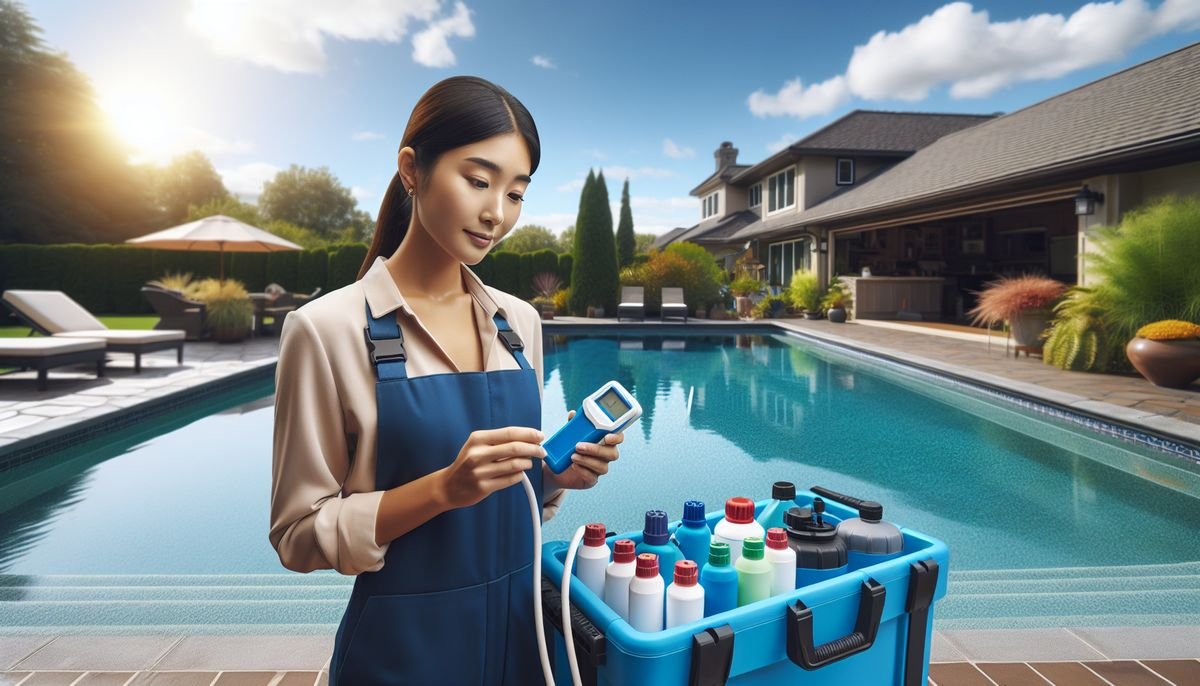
[(473, 189)]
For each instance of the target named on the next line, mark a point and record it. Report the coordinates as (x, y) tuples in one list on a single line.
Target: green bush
[(1079, 340), (744, 286), (506, 272), (805, 291), (673, 269)]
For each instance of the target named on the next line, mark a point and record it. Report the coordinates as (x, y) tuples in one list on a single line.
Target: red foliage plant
[(1004, 298)]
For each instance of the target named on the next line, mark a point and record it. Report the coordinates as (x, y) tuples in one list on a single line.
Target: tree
[(594, 275), (228, 206), (566, 240), (188, 180), (310, 198), (63, 175), (626, 242), (644, 241), (529, 238)]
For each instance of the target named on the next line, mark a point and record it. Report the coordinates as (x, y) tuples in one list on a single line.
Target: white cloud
[(598, 154), (367, 136), (246, 181), (431, 47), (616, 172), (784, 141), (290, 35), (964, 48), (360, 194), (670, 149), (576, 185), (544, 62), (555, 221)]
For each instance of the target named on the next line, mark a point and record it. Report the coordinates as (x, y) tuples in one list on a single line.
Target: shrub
[(745, 286), (671, 269), (1169, 330), (805, 291), (561, 298), (1002, 299), (1078, 339)]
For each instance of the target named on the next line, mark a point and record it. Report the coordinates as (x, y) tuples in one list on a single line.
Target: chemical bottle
[(782, 560), (737, 525), (719, 579), (693, 535), (646, 594), (617, 577), (685, 597), (592, 558), (783, 498), (868, 538), (656, 539), (754, 572), (820, 552)]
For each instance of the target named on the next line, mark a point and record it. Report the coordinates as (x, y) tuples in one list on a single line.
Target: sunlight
[(146, 121)]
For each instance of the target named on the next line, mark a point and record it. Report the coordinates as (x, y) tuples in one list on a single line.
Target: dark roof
[(725, 174), (718, 232), (868, 132), (665, 239), (1153, 103)]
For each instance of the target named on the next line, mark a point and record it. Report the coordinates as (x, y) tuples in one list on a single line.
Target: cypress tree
[(626, 241), (594, 278)]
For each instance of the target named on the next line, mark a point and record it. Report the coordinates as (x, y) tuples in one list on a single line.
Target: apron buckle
[(384, 349), (512, 340)]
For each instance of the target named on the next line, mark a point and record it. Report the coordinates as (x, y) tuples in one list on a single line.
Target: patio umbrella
[(217, 232)]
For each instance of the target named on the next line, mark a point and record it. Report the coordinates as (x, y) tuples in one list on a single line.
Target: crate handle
[(800, 648)]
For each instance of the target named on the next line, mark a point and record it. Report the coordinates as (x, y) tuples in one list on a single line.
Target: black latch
[(590, 644), (922, 582), (384, 349), (512, 340), (712, 656)]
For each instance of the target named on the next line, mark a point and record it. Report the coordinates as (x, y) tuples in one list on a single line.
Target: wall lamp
[(1085, 201)]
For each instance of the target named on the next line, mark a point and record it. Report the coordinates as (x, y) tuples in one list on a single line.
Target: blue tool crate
[(871, 626)]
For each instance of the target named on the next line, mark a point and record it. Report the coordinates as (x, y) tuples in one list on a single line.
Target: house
[(1019, 193)]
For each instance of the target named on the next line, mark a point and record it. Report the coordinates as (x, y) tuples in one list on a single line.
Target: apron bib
[(453, 602)]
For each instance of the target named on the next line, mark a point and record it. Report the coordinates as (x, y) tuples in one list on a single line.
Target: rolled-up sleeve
[(313, 526)]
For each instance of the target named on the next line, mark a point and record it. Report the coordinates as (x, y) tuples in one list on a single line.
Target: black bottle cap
[(795, 519), (818, 506), (783, 490), (870, 511)]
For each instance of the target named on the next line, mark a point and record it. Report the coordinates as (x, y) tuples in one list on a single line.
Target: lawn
[(111, 321)]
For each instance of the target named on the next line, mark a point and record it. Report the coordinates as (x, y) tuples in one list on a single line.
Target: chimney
[(725, 155)]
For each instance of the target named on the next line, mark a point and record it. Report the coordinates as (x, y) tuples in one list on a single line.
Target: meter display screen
[(613, 404)]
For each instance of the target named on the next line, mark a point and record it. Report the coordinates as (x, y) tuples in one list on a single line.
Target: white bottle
[(737, 525), (617, 577), (685, 597), (782, 560), (592, 559), (646, 593)]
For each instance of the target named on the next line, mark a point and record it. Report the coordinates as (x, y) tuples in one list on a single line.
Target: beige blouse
[(323, 497)]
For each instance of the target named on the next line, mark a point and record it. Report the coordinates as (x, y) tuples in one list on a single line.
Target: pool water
[(1047, 525)]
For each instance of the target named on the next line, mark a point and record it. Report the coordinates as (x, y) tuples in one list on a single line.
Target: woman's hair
[(454, 112)]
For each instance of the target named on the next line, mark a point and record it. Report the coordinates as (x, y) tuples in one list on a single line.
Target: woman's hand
[(590, 462), (489, 461)]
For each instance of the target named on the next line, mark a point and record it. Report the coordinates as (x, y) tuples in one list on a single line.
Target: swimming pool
[(1047, 525)]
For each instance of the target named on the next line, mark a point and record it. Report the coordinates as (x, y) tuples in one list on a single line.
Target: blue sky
[(645, 90)]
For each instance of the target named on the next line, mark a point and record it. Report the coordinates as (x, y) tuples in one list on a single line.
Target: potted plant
[(545, 285), (805, 293), (836, 302), (742, 288), (1167, 353), (1025, 302), (229, 311), (769, 307)]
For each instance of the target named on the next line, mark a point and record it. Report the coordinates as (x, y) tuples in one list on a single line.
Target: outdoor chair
[(54, 313), (673, 304), (633, 303), (43, 352), (175, 311)]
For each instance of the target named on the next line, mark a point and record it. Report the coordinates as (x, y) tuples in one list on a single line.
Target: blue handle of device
[(561, 445)]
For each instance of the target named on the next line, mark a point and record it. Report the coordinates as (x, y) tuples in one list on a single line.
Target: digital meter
[(608, 410)]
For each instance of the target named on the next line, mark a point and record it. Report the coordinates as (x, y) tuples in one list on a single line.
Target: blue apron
[(453, 602)]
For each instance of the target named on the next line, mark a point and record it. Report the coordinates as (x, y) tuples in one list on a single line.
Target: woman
[(406, 410)]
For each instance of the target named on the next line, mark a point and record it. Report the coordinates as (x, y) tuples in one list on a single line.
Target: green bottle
[(754, 572)]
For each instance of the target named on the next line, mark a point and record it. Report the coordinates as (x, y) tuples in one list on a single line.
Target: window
[(709, 206), (754, 196), (845, 172), (785, 258), (781, 190)]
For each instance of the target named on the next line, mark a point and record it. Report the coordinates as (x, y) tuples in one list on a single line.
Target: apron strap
[(512, 340), (385, 344)]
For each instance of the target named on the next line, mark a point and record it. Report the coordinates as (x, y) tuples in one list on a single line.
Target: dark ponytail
[(454, 112)]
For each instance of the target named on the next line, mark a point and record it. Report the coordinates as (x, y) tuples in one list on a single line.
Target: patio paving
[(75, 399)]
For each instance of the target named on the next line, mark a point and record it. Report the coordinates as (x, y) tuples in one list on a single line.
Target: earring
[(410, 192)]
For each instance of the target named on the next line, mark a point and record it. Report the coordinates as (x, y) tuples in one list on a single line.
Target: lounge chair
[(301, 298), (43, 352), (54, 313), (673, 305), (175, 311), (633, 303)]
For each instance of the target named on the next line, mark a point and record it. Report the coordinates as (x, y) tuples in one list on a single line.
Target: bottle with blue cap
[(656, 539), (693, 535)]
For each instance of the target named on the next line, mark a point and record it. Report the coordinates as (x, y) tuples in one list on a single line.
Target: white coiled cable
[(535, 512)]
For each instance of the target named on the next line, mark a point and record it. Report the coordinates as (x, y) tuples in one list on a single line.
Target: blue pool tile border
[(30, 449)]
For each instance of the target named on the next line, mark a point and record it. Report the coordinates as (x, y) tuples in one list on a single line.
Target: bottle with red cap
[(737, 525), (685, 597), (656, 539), (782, 560), (617, 577), (592, 558), (646, 593)]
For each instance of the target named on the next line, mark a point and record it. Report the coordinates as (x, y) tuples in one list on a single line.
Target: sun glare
[(146, 122)]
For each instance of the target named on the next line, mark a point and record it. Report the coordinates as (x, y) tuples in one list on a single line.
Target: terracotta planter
[(1028, 327), (1170, 364), (744, 305)]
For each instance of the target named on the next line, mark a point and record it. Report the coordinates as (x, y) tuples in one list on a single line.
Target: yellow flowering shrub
[(1169, 330)]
